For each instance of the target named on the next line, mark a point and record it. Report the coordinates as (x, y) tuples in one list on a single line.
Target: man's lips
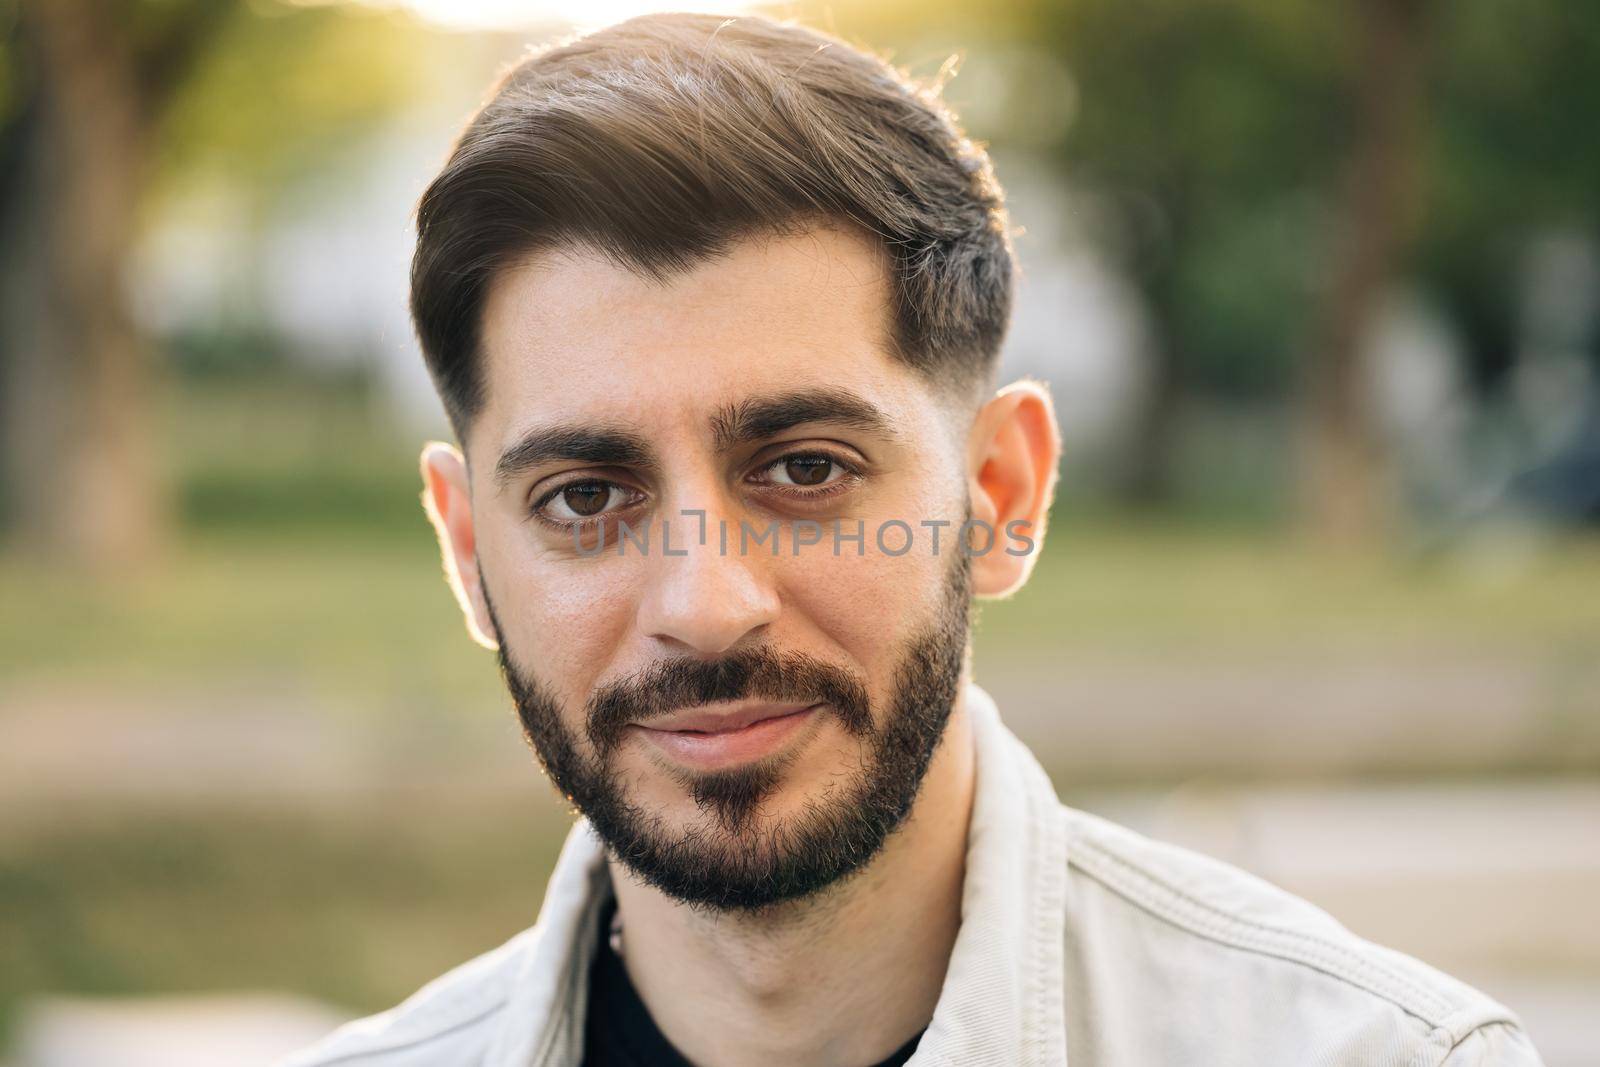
[(715, 719), (711, 737)]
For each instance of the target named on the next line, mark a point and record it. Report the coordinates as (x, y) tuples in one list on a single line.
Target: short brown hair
[(663, 138)]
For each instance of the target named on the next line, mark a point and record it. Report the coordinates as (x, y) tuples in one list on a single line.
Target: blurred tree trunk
[(1147, 478), (78, 421), (1146, 481), (83, 476), (1345, 481)]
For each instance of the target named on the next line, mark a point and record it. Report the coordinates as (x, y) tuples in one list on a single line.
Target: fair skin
[(848, 976)]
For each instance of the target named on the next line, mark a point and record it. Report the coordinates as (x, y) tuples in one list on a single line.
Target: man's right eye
[(580, 502)]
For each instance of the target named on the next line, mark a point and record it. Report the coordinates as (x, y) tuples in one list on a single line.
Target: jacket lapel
[(1002, 997)]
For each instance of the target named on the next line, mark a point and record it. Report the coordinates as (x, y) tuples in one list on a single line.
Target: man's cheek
[(581, 622), (865, 603)]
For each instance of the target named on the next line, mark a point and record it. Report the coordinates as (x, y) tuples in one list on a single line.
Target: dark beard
[(735, 865)]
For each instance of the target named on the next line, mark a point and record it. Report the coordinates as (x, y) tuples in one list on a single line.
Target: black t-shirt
[(619, 1032)]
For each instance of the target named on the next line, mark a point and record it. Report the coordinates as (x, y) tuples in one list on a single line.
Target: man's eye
[(581, 501), (807, 470)]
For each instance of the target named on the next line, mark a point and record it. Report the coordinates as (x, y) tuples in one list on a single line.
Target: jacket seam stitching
[(1453, 1041), (1049, 905), (1440, 1041)]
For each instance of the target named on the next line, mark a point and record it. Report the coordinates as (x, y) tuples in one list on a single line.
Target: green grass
[(370, 623), (366, 626), (1159, 588)]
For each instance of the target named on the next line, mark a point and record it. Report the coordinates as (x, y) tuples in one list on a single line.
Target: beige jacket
[(1081, 942)]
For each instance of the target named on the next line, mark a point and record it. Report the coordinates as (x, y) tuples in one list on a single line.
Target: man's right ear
[(447, 498)]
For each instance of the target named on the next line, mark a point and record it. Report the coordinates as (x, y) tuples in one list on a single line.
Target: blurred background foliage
[(1316, 287)]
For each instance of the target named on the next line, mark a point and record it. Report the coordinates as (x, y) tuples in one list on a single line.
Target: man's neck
[(845, 979)]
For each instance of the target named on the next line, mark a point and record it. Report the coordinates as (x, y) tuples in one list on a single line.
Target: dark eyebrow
[(586, 444), (757, 418)]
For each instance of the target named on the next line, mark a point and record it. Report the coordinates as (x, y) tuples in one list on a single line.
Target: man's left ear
[(1012, 456)]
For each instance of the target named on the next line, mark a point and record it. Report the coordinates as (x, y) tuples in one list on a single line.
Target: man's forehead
[(569, 336), (567, 307)]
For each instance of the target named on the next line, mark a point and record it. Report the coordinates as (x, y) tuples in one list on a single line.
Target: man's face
[(743, 721)]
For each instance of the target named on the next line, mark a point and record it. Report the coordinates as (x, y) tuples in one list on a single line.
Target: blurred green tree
[(1270, 168), (1257, 157), (1511, 154), (106, 110), (1344, 484), (88, 83)]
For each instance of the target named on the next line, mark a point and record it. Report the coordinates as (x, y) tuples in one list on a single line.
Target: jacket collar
[(1002, 995)]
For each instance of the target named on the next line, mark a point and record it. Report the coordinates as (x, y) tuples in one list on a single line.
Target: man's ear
[(1012, 456), (447, 498)]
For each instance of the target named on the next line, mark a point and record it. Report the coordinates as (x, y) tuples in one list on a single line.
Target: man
[(714, 307)]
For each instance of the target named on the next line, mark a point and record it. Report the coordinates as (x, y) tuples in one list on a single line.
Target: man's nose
[(708, 599)]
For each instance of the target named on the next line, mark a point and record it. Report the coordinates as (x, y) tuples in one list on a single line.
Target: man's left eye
[(808, 470)]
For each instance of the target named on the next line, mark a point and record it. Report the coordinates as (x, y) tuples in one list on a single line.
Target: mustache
[(756, 673)]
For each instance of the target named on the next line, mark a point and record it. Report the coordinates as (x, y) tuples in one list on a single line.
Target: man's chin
[(777, 813), (756, 867), (762, 836)]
